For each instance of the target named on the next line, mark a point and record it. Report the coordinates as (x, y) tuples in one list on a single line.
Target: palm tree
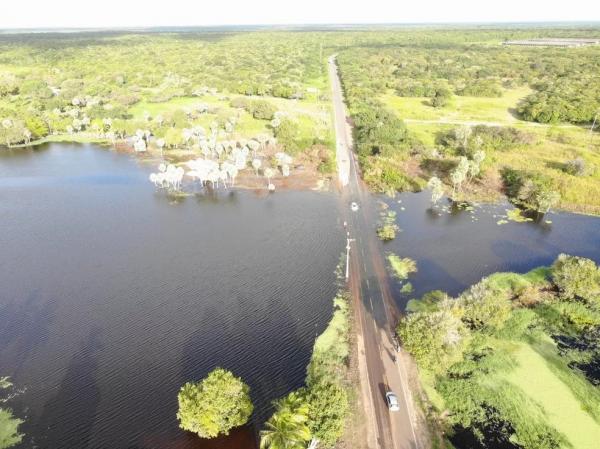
[(287, 428)]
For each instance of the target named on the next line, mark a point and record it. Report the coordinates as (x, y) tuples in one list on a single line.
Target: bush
[(481, 88), (576, 278), (530, 190), (569, 100), (441, 97), (288, 134), (576, 167), (485, 138), (215, 405), (379, 132), (484, 306), (328, 408), (9, 429), (435, 339), (387, 228), (240, 103), (262, 110)]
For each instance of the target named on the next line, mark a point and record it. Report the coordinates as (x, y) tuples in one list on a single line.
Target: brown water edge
[(239, 438)]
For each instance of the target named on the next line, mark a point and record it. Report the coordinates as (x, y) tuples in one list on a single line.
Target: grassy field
[(562, 409), (552, 147), (497, 110)]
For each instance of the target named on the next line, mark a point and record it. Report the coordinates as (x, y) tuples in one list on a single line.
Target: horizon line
[(50, 29)]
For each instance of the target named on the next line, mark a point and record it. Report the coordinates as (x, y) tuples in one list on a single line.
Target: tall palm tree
[(287, 428)]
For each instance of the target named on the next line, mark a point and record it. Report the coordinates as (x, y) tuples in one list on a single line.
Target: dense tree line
[(565, 82)]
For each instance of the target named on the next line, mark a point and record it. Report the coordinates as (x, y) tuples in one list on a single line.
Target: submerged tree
[(437, 189), (459, 174), (215, 405)]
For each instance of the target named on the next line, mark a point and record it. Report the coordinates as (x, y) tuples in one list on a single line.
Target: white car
[(354, 206), (392, 401)]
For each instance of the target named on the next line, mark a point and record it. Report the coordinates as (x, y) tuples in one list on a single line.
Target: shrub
[(240, 103), (576, 167), (484, 306), (441, 97), (262, 110), (435, 339), (576, 278), (387, 228), (530, 190), (328, 408), (481, 88), (288, 135)]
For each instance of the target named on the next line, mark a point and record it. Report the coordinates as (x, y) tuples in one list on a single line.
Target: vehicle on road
[(354, 206), (392, 401)]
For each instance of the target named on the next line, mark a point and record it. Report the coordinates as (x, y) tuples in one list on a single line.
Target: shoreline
[(313, 181)]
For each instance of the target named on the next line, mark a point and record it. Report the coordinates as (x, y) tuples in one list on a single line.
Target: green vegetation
[(528, 109), (514, 356), (320, 410), (168, 89), (408, 90), (9, 425), (387, 227), (215, 405), (401, 267), (287, 428)]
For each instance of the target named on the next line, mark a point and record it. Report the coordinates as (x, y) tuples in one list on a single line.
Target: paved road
[(376, 312)]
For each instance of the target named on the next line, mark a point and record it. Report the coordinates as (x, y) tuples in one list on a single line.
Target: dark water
[(456, 249), (111, 297)]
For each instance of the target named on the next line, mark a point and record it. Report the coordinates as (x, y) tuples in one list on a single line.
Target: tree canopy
[(215, 405)]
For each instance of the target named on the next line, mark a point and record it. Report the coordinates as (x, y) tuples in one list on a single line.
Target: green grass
[(562, 409), (553, 145), (474, 109), (551, 149), (154, 109)]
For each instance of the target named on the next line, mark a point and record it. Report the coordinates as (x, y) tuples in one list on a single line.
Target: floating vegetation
[(387, 228), (402, 267), (516, 215), (501, 222), (407, 288)]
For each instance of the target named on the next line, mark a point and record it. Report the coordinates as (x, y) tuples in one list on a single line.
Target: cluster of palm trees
[(206, 170), (168, 176), (288, 428)]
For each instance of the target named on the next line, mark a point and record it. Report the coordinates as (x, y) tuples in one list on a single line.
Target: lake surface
[(455, 249), (113, 296)]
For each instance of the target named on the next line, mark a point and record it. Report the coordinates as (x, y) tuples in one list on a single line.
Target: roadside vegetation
[(422, 101), (513, 361), (317, 414)]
